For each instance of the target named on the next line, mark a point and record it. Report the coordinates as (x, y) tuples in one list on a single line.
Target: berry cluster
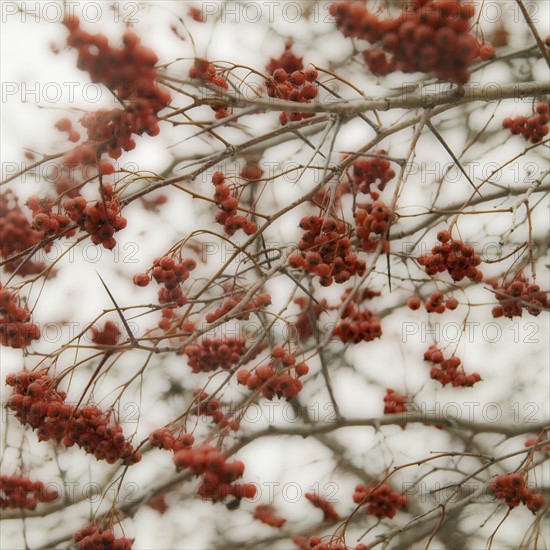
[(272, 383), (170, 274), (373, 218), (382, 501), (16, 330), (100, 219), (36, 402), (288, 61), (110, 131), (129, 72), (257, 302), (512, 490), (203, 70), (106, 336), (212, 406), (325, 251), (316, 543), (369, 171), (358, 325), (518, 294), (158, 503), (436, 303), (532, 128), (21, 492), (214, 353), (228, 205), (446, 371), (44, 220), (266, 514), (65, 125), (453, 256), (394, 402), (163, 438), (93, 537), (433, 37), (17, 235), (298, 86), (310, 312), (218, 476), (329, 513)]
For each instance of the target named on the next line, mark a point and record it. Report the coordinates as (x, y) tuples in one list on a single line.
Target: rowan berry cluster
[(329, 513), (129, 72), (93, 537), (21, 492), (358, 325), (316, 543), (217, 353), (158, 503), (16, 330), (203, 70), (65, 125), (446, 371), (515, 295), (228, 205), (394, 402), (271, 382), (169, 273), (382, 501), (298, 86), (266, 514), (532, 128), (433, 37), (17, 235), (288, 61), (374, 219), (163, 438), (101, 219), (367, 172), (257, 302), (106, 336), (37, 402), (453, 256), (512, 490), (310, 312), (212, 406), (217, 476), (436, 303), (46, 221), (111, 131), (326, 252)]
